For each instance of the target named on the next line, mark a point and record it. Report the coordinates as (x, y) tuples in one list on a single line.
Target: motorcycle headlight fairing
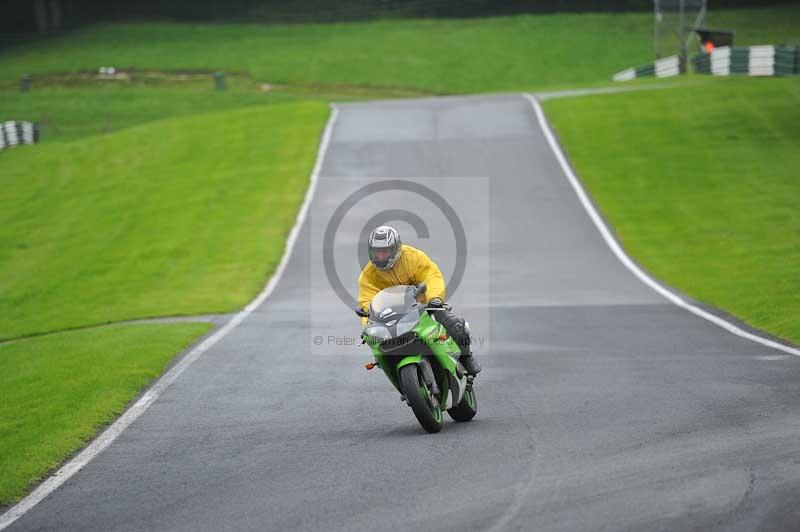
[(379, 332)]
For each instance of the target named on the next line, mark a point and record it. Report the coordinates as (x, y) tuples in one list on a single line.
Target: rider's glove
[(436, 303)]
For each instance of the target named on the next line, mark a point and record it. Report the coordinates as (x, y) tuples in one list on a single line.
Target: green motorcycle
[(417, 355)]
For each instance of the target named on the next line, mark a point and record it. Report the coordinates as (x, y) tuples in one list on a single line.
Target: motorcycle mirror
[(362, 312), (421, 289)]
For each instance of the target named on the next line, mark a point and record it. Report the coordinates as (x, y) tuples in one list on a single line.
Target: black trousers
[(455, 327)]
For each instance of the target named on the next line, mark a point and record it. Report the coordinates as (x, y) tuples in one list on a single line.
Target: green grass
[(702, 188), (181, 216), (470, 55), (184, 215), (57, 391), (68, 113), (67, 110)]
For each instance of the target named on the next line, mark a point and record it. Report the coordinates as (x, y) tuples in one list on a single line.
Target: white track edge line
[(623, 257), (111, 433)]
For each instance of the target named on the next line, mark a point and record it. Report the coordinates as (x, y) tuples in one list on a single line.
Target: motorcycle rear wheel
[(467, 408), (426, 408)]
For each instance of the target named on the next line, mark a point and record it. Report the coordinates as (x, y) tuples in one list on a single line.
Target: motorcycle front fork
[(429, 378)]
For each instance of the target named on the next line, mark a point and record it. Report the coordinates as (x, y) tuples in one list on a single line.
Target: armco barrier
[(767, 60), (13, 133), (786, 63), (661, 68)]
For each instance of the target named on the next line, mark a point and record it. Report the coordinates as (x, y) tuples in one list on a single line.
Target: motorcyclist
[(394, 263)]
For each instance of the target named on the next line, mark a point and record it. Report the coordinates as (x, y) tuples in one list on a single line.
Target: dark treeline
[(19, 17)]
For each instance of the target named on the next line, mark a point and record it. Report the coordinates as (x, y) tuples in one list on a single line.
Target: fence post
[(219, 80)]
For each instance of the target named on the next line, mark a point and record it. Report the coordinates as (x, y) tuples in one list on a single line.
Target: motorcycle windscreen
[(395, 327), (409, 321), (392, 303), (394, 312)]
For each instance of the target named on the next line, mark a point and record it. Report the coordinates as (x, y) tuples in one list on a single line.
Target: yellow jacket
[(413, 267)]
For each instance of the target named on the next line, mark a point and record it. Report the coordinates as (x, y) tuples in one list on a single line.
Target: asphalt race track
[(601, 405)]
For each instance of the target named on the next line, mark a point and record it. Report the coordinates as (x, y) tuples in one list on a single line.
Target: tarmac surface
[(601, 405)]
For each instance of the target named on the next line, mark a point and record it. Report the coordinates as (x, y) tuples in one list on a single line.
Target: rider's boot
[(470, 364)]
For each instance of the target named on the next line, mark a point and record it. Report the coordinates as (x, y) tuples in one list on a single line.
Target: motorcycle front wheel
[(426, 408)]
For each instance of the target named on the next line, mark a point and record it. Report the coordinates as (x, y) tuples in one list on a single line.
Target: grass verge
[(67, 109), (701, 187), (443, 55), (58, 390), (66, 113), (181, 216)]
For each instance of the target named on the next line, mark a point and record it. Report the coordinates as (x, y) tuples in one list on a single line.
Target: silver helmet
[(385, 247)]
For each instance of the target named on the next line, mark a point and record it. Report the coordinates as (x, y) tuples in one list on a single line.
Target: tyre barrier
[(764, 60), (13, 133), (661, 68)]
